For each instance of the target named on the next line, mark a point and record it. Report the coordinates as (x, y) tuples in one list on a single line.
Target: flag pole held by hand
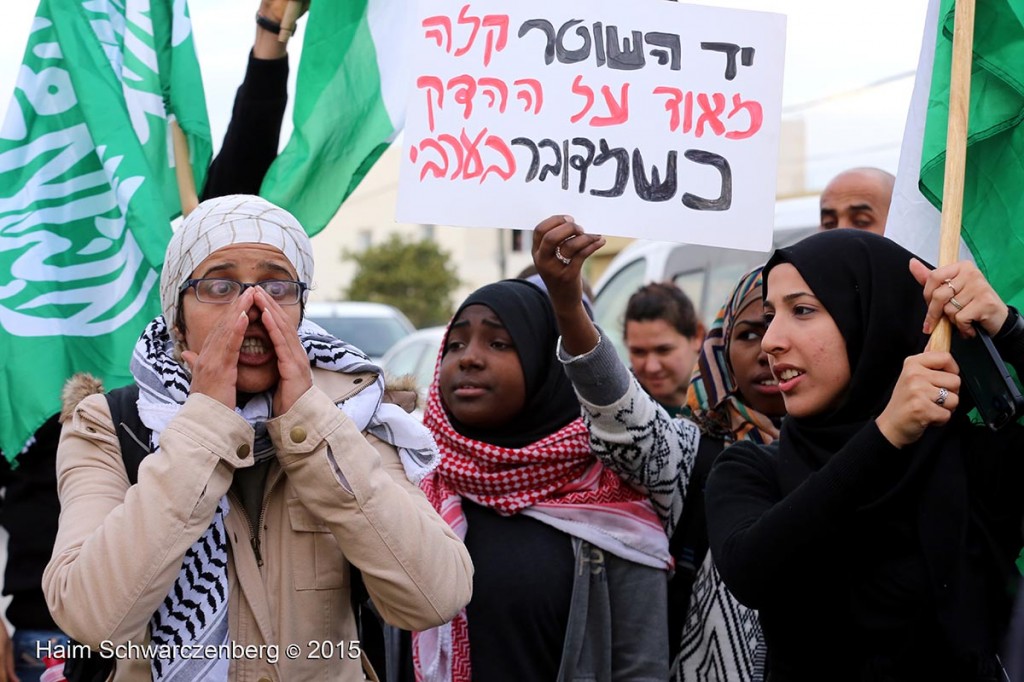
[(292, 12), (183, 170), (956, 151)]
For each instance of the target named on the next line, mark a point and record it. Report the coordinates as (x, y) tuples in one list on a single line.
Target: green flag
[(87, 192), (993, 210), (349, 105)]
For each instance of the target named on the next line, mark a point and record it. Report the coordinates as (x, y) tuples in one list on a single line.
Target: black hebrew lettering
[(581, 163), (724, 200), (566, 56), (552, 168), (621, 158), (627, 55), (655, 190), (668, 50), (565, 164), (599, 43), (535, 162), (730, 50), (649, 184), (549, 33)]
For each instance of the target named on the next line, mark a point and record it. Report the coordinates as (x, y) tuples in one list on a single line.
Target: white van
[(707, 274), (371, 327)]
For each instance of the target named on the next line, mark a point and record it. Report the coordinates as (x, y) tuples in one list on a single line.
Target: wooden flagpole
[(956, 151), (183, 170)]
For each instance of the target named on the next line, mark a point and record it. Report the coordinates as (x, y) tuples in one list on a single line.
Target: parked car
[(707, 274), (415, 356), (371, 327)]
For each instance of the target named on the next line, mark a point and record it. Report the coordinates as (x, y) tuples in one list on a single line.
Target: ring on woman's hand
[(943, 394), (558, 250), (956, 304), (949, 283)]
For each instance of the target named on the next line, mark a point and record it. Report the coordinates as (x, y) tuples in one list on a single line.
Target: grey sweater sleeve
[(630, 432), (598, 375)]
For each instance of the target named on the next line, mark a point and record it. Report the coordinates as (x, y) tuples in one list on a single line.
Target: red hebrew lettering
[(442, 36), (466, 85), (754, 111), (431, 166), (492, 22), (688, 112), (457, 148), (534, 98), (709, 114), (618, 111), (431, 83), (498, 145), (475, 22), (474, 166), (579, 89), (675, 98), (492, 88)]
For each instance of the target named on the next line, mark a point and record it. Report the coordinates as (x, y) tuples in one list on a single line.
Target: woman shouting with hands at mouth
[(876, 536), (274, 467)]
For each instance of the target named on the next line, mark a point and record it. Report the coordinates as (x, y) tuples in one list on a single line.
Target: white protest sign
[(645, 119)]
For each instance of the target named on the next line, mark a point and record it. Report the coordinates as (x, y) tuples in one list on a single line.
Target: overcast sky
[(845, 72)]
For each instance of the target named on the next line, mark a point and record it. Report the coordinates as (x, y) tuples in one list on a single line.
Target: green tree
[(414, 276)]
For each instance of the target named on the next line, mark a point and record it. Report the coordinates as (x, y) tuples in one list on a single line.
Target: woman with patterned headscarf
[(275, 466), (732, 397), (571, 564)]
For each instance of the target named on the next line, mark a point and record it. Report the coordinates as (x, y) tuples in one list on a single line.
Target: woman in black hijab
[(570, 563), (876, 537)]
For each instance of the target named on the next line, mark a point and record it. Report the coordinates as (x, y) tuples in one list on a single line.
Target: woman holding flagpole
[(876, 536)]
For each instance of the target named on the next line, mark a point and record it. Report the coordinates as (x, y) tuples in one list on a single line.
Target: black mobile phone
[(988, 380)]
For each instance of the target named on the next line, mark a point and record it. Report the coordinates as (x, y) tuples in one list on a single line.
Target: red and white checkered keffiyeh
[(556, 480)]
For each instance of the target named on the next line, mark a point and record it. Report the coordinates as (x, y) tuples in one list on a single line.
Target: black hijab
[(864, 282), (551, 403)]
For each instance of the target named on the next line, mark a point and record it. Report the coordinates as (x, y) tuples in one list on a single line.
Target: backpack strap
[(132, 434), (133, 438)]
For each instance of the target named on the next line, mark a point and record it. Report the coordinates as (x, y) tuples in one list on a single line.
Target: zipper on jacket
[(254, 531)]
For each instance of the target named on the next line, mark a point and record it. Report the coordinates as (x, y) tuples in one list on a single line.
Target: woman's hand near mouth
[(215, 367), (292, 360)]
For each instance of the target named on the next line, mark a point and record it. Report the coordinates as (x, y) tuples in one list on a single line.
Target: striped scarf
[(195, 610)]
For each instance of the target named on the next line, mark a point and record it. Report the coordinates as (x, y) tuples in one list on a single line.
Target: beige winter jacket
[(120, 548)]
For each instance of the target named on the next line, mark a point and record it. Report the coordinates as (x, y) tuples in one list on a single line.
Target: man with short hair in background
[(857, 198)]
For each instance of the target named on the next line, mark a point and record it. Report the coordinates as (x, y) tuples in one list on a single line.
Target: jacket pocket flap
[(302, 520)]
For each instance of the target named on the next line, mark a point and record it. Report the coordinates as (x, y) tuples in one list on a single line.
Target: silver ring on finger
[(558, 250), (949, 283), (943, 394), (956, 304)]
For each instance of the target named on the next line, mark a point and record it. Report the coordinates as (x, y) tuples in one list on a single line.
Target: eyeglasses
[(217, 290)]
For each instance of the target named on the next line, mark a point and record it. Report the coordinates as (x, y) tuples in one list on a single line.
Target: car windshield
[(372, 335)]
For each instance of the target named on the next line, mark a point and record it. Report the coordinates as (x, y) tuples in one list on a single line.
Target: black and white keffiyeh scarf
[(195, 609)]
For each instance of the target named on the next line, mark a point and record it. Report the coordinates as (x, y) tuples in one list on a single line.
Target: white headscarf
[(195, 611), (220, 222)]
